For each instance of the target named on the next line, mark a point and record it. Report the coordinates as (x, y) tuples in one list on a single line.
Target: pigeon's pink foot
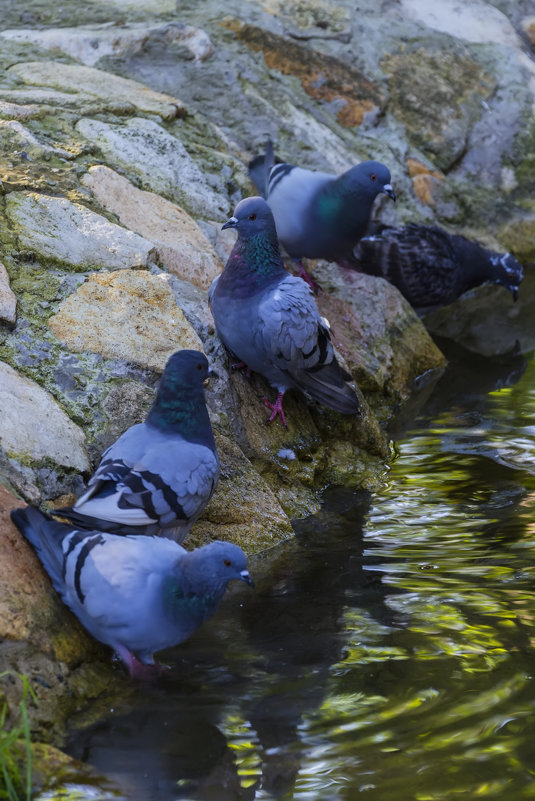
[(305, 275), (241, 366), (140, 670), (276, 409)]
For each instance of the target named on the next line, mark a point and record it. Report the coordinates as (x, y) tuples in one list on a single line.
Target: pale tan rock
[(33, 425), (161, 163), (222, 240), (90, 43), (8, 299), (98, 84), (128, 314), (181, 245), (70, 233)]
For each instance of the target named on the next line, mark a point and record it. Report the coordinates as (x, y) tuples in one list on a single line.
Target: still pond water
[(387, 652)]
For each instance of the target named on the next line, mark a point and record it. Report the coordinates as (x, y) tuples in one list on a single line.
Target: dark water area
[(387, 652)]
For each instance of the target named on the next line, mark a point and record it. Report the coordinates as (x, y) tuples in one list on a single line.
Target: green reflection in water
[(452, 539)]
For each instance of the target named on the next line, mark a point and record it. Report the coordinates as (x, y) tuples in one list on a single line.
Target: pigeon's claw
[(276, 409)]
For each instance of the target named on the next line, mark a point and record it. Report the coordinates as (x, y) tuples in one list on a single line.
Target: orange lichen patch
[(323, 77), (424, 181)]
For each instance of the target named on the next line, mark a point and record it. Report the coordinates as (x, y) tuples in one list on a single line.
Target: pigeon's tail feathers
[(88, 522), (260, 167), (269, 158), (46, 536), (257, 174), (327, 384)]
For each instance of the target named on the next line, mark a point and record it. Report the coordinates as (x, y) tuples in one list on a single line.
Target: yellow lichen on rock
[(127, 314)]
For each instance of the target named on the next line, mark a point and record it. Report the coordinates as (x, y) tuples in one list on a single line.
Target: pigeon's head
[(507, 271), (252, 216), (185, 368), (213, 566), (370, 177)]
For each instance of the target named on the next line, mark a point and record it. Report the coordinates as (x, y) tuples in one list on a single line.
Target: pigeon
[(431, 267), (137, 594), (159, 475), (319, 215), (269, 318)]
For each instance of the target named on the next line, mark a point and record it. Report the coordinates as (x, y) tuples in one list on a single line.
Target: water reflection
[(387, 651)]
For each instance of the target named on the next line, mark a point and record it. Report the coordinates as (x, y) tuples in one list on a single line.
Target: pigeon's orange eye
[(199, 367), (227, 562), (252, 216), (373, 177)]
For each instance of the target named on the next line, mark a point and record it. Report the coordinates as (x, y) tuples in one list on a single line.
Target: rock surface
[(157, 159), (66, 232), (89, 44), (378, 333), (8, 299), (130, 315), (42, 639), (123, 147), (179, 242), (24, 405), (111, 90)]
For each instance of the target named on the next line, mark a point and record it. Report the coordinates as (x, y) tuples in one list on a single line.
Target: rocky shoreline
[(125, 132)]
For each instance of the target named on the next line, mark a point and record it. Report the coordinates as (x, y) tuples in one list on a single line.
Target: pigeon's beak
[(211, 374), (232, 223), (514, 292), (245, 576), (387, 189)]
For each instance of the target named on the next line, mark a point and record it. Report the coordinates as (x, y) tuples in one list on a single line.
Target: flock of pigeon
[(140, 593)]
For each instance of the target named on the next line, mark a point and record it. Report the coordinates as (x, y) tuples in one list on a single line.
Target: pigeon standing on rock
[(431, 267), (137, 594), (269, 319), (319, 215), (160, 474)]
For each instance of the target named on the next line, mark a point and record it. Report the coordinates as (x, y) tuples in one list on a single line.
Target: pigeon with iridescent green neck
[(269, 319), (159, 475), (137, 594), (319, 215)]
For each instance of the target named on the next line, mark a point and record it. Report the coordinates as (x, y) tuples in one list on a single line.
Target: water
[(386, 652)]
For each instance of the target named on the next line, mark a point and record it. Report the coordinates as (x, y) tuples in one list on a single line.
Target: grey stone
[(158, 160), (34, 426), (73, 234)]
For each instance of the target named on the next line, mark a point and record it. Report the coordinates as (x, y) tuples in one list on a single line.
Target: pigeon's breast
[(241, 329)]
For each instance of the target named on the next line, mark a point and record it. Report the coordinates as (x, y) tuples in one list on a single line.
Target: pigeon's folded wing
[(290, 328), (113, 578)]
